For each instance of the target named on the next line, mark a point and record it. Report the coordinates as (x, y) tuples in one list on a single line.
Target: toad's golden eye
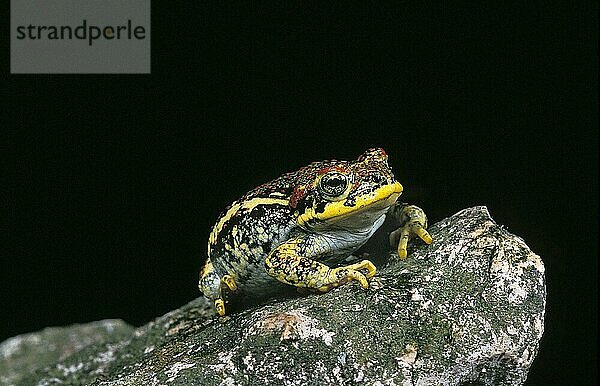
[(333, 184)]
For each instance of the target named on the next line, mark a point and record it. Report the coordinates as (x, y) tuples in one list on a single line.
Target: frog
[(302, 228)]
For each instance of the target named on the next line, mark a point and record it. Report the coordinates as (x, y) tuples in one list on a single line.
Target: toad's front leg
[(413, 222), (289, 263)]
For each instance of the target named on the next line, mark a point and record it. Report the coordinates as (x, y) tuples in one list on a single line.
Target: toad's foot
[(230, 283), (342, 275), (365, 267), (220, 307), (413, 222)]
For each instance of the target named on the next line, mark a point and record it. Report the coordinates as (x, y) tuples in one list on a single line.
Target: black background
[(116, 180)]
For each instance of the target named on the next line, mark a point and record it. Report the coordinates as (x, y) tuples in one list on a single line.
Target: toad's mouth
[(374, 202)]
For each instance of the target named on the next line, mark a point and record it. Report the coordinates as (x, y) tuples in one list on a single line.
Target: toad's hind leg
[(210, 286), (288, 264)]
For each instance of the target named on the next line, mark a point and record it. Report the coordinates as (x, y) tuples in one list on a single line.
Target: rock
[(24, 354), (466, 310)]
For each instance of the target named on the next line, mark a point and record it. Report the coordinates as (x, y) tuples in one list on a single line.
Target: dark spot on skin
[(267, 246), (350, 201), (321, 207), (258, 212), (306, 203)]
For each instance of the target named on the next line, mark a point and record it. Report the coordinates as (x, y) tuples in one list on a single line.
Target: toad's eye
[(333, 184)]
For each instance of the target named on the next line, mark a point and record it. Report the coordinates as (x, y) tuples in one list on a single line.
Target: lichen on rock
[(466, 310)]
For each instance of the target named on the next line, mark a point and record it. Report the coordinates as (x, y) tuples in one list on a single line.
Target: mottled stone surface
[(466, 310), (24, 354)]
